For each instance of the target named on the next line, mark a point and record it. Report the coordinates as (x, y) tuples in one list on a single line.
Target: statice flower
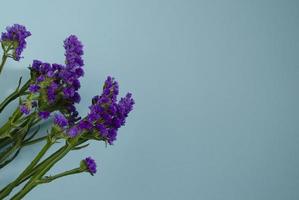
[(24, 109), (74, 131), (34, 88), (106, 115), (16, 33), (90, 165), (60, 120), (26, 106), (59, 84)]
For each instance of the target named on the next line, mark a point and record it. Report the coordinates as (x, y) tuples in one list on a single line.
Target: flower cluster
[(106, 115), (16, 33), (53, 88), (56, 86), (90, 165)]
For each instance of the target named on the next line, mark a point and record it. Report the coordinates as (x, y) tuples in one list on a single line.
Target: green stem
[(46, 162), (5, 154), (48, 179), (4, 58), (37, 168), (4, 142), (34, 181), (5, 129), (37, 140), (12, 128), (17, 93), (6, 191), (18, 141)]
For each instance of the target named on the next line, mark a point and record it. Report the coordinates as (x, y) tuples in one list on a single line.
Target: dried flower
[(16, 33), (91, 165)]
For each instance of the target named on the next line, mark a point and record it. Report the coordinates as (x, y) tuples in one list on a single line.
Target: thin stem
[(17, 93), (5, 154), (37, 168), (34, 141), (12, 128), (5, 54), (4, 142), (4, 58), (46, 162), (48, 179), (18, 140), (6, 191), (37, 177), (4, 130)]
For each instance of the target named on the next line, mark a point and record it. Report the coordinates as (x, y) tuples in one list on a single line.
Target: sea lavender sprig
[(106, 116), (90, 165), (57, 85), (87, 165), (13, 42), (52, 87)]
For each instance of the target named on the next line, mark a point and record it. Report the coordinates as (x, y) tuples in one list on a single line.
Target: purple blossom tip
[(60, 120), (24, 109), (111, 88), (73, 132), (73, 53), (34, 88), (91, 165)]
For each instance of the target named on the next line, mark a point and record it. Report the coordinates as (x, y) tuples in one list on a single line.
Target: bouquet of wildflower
[(52, 92)]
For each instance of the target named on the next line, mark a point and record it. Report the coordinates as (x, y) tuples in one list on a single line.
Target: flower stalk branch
[(51, 94)]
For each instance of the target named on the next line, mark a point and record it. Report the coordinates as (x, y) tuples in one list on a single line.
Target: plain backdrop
[(216, 90)]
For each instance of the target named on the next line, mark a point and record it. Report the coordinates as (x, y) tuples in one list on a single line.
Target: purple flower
[(44, 114), (51, 92), (34, 88), (74, 131), (24, 109), (125, 106), (76, 84), (56, 66), (91, 165), (76, 98), (60, 120), (73, 52), (50, 74), (60, 82), (85, 125), (40, 79), (16, 33), (79, 72), (45, 67), (111, 88), (69, 92), (36, 64), (107, 115)]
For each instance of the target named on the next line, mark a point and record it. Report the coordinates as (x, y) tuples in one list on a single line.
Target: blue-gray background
[(216, 86)]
